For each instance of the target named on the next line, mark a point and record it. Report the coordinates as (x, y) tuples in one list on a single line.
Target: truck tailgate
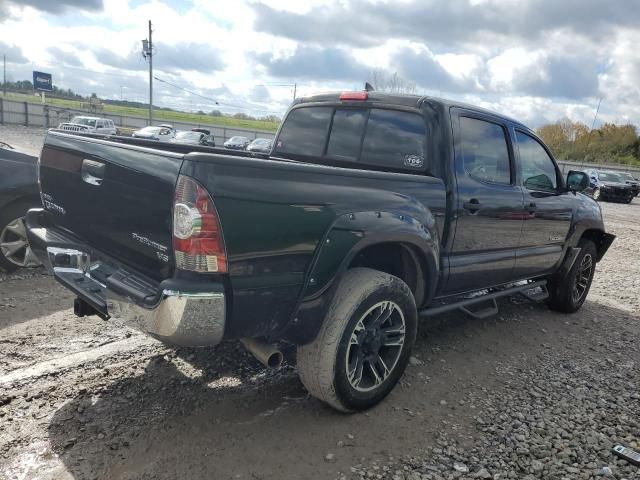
[(118, 199)]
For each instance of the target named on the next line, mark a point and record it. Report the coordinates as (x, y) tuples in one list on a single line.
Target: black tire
[(363, 294), (629, 200), (7, 217), (567, 294)]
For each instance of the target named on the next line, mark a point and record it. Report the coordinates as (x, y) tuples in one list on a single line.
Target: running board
[(491, 296)]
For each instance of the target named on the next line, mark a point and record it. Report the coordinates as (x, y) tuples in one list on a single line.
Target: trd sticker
[(413, 161)]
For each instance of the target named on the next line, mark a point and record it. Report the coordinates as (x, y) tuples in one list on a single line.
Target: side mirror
[(577, 181)]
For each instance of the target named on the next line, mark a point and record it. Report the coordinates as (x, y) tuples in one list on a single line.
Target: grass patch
[(158, 115)]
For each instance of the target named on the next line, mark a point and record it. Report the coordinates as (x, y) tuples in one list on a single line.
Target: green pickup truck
[(370, 211)]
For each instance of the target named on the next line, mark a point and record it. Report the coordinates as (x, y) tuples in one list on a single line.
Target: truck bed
[(282, 221)]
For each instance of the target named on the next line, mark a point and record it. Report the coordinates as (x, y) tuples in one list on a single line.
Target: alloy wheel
[(583, 277), (14, 244), (375, 346)]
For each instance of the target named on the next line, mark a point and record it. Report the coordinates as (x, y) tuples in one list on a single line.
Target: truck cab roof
[(399, 100)]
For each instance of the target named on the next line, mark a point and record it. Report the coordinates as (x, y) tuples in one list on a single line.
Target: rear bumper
[(177, 312)]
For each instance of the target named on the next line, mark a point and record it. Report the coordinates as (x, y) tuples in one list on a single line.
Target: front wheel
[(364, 344), (567, 294)]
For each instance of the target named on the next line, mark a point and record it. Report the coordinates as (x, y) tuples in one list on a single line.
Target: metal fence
[(566, 166), (48, 116)]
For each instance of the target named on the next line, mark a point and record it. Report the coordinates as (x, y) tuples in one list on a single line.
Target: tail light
[(198, 243)]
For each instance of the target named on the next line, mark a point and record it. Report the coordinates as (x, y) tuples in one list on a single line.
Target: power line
[(188, 91), (217, 102)]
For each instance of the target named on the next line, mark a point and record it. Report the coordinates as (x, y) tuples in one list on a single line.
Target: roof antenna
[(368, 87)]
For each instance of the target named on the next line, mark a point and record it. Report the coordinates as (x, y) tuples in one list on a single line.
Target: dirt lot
[(527, 394)]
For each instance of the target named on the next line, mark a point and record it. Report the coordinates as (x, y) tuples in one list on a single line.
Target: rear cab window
[(357, 137)]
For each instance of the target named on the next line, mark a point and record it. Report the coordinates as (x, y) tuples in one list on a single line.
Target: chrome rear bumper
[(180, 318), (184, 313)]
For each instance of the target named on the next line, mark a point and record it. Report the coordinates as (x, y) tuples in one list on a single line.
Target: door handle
[(532, 207), (92, 172), (472, 205)]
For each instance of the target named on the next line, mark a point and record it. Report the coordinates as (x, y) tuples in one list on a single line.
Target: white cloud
[(464, 49)]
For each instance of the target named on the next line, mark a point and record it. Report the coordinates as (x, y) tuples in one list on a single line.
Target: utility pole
[(4, 78), (150, 76), (295, 87), (147, 53)]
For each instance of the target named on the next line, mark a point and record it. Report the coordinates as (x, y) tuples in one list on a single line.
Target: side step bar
[(491, 296)]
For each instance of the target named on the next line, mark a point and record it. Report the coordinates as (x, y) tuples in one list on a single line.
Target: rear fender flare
[(349, 235)]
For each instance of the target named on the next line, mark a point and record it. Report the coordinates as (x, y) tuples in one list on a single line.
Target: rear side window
[(346, 133), (305, 131), (484, 150), (394, 139)]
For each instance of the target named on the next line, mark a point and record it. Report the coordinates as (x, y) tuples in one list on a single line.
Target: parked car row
[(615, 186), (166, 133), (259, 145)]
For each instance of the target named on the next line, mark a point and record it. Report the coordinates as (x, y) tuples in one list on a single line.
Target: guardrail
[(566, 166), (48, 116)]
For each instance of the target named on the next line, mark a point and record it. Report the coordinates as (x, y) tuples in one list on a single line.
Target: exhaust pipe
[(267, 354)]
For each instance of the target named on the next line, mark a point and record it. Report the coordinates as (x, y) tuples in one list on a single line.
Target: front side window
[(484, 150), (394, 139), (538, 170), (304, 132)]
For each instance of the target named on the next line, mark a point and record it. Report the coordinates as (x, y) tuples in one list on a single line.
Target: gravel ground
[(529, 393), (28, 139)]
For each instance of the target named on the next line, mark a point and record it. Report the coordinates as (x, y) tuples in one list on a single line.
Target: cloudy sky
[(537, 60)]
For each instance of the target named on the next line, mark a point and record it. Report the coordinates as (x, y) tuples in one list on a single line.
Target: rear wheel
[(364, 344), (15, 251), (567, 294)]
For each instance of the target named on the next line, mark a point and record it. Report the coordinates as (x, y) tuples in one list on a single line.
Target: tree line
[(25, 86), (609, 143)]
